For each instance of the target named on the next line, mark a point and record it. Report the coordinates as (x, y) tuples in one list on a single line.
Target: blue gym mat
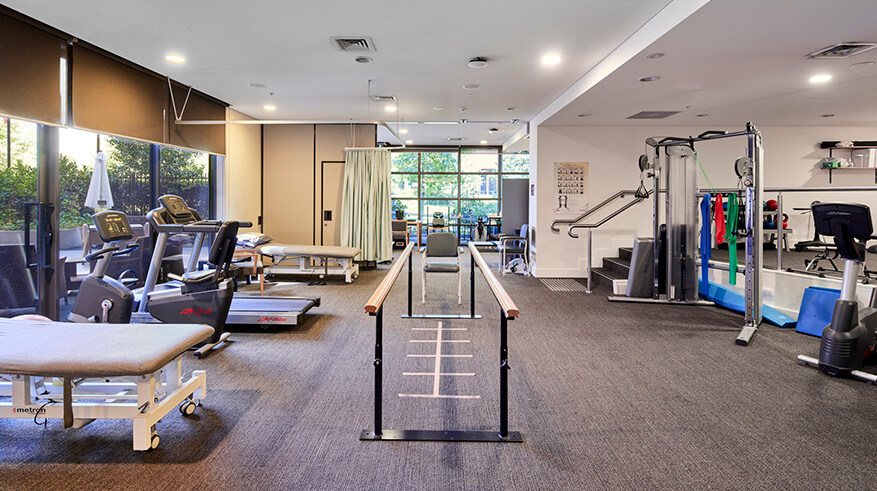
[(729, 299)]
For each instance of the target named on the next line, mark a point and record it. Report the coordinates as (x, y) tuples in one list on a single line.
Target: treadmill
[(175, 217)]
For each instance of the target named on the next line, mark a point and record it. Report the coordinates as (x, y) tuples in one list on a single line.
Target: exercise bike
[(203, 297), (849, 340)]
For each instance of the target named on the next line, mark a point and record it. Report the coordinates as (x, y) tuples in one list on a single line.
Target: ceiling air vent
[(383, 98), (842, 50), (456, 139), (357, 44), (653, 114)]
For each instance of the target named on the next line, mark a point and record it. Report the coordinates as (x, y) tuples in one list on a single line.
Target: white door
[(333, 184)]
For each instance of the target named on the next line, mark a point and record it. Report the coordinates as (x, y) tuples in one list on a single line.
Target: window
[(18, 173), (464, 184), (129, 171), (186, 173)]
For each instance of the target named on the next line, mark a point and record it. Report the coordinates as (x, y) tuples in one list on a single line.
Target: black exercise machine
[(849, 340)]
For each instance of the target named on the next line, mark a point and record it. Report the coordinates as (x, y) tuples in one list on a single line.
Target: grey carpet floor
[(607, 396)]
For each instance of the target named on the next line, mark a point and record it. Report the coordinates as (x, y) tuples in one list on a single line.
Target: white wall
[(791, 157)]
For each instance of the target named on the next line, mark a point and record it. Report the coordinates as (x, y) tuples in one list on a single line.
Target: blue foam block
[(817, 307), (729, 299)]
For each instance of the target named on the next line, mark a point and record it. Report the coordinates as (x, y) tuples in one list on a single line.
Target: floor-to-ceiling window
[(463, 184)]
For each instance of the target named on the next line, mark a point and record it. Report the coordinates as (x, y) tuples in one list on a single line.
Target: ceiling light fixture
[(403, 131), (477, 62), (364, 59), (826, 115), (493, 130), (270, 107), (584, 115), (471, 86), (174, 58), (820, 79), (390, 108), (258, 86), (409, 142), (438, 108), (701, 115), (550, 59), (650, 78), (484, 142), (862, 64), (655, 56), (512, 108)]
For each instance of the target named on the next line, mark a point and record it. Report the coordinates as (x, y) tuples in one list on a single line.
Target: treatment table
[(83, 372), (300, 255)]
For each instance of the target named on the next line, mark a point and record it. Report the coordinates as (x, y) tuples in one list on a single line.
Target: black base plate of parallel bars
[(441, 436), (440, 316)]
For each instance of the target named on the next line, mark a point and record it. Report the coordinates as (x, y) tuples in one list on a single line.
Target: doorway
[(330, 202)]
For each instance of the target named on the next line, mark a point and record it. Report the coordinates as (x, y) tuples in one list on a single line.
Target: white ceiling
[(422, 50), (743, 60)]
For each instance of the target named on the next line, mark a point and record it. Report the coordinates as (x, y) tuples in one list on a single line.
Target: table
[(411, 223)]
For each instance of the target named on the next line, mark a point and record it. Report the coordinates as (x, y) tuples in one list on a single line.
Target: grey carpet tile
[(607, 396)]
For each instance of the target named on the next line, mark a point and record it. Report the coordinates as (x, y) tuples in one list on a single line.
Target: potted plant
[(399, 209), (438, 219)]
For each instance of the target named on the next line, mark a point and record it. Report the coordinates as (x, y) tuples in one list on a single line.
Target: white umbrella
[(99, 196)]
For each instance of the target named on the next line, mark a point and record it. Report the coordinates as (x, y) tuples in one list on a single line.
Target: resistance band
[(706, 246), (731, 233), (720, 220)]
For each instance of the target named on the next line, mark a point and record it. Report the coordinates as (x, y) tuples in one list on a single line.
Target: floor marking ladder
[(437, 370)]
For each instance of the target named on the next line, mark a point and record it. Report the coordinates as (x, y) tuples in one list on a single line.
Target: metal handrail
[(619, 194), (606, 218)]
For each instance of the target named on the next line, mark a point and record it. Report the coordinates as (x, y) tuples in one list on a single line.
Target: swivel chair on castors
[(849, 340)]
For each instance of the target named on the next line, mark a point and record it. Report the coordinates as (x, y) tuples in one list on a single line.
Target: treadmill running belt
[(268, 304)]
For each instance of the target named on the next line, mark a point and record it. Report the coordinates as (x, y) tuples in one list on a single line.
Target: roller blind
[(112, 97), (30, 71), (208, 138)]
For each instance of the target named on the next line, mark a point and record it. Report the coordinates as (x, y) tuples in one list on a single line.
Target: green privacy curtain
[(365, 204)]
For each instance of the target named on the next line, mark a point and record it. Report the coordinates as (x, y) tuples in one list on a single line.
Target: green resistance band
[(731, 235)]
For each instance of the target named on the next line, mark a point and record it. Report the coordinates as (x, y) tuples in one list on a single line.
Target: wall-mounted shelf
[(832, 146)]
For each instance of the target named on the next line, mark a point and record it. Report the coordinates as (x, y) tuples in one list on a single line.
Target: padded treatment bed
[(284, 255), (82, 372)]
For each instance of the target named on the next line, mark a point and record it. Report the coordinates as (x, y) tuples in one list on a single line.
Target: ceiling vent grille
[(353, 44), (842, 50), (653, 114), (456, 139), (384, 98)]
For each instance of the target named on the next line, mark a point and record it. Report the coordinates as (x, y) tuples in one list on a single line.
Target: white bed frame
[(303, 266), (144, 399)]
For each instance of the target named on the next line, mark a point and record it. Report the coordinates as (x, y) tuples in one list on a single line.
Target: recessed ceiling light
[(478, 62), (819, 79), (363, 59), (650, 78), (484, 142), (826, 115), (655, 56), (512, 108), (550, 59), (174, 58), (409, 142), (862, 64), (701, 115), (259, 86), (270, 107), (471, 86), (493, 130), (390, 108), (584, 115), (438, 108), (464, 121)]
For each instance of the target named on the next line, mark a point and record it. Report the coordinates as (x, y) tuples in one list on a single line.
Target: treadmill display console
[(112, 226), (175, 206)]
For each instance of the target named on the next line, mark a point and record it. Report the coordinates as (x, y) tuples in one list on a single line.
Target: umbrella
[(99, 196)]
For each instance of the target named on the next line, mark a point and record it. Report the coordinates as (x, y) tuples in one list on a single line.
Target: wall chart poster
[(571, 186)]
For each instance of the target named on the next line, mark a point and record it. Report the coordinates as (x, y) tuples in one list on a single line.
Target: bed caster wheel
[(322, 276), (355, 275), (187, 408), (154, 441)]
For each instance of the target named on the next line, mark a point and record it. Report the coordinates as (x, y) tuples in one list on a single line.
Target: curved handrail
[(619, 194), (605, 219), (505, 301), (377, 299)]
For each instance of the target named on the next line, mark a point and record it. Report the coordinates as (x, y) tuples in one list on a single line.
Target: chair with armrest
[(400, 232), (514, 245), (442, 245)]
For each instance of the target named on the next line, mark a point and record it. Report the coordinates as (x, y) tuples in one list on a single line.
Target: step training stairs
[(613, 274)]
